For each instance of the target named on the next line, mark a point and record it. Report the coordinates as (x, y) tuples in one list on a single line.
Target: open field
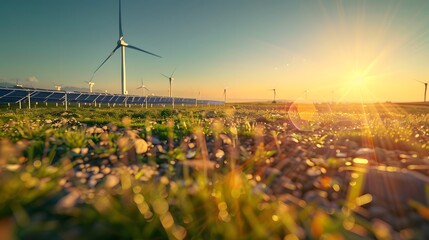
[(240, 171)]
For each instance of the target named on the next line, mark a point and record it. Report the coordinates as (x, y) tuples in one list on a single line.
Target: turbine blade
[(173, 72), (140, 87), (114, 50), (141, 50), (165, 76), (421, 81), (146, 88), (120, 20)]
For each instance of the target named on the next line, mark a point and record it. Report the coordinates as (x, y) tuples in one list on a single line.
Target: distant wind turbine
[(224, 94), (274, 92), (426, 88), (91, 85), (143, 87), (170, 79), (122, 44), (306, 94), (18, 84), (198, 97), (57, 87)]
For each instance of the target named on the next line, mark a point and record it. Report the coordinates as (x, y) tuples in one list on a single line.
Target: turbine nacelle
[(122, 42)]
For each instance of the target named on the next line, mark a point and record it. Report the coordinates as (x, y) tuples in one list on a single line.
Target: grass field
[(240, 171)]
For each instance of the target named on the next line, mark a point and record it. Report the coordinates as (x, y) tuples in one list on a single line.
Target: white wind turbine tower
[(198, 97), (170, 79), (224, 94), (426, 88), (306, 95), (90, 85), (274, 92), (143, 87), (122, 44)]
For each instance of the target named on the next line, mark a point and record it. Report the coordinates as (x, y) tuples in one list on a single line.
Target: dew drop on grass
[(191, 154), (275, 218), (336, 187), (12, 167), (314, 171), (138, 199), (179, 232), (219, 153), (167, 220)]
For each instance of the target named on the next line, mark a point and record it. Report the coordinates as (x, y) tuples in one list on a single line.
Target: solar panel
[(73, 97), (15, 95)]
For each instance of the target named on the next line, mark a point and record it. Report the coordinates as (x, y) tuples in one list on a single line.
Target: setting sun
[(358, 80)]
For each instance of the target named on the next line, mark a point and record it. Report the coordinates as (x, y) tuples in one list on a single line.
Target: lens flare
[(306, 115)]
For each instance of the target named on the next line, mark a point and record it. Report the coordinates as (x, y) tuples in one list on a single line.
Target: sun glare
[(358, 80)]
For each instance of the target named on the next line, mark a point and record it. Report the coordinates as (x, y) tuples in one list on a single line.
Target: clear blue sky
[(247, 46)]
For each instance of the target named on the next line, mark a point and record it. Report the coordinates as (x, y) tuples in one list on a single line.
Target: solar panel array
[(23, 95)]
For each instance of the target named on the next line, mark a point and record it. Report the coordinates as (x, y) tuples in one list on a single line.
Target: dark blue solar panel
[(13, 95), (73, 97), (101, 98), (91, 98), (20, 93), (57, 97), (108, 99), (41, 95), (152, 100), (4, 92), (120, 99), (131, 100), (114, 98), (9, 99)]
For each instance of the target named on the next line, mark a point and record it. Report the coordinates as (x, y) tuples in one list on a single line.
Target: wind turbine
[(18, 84), (91, 85), (224, 94), (274, 92), (122, 44), (170, 79), (143, 87), (306, 94), (57, 87), (196, 99), (426, 88)]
